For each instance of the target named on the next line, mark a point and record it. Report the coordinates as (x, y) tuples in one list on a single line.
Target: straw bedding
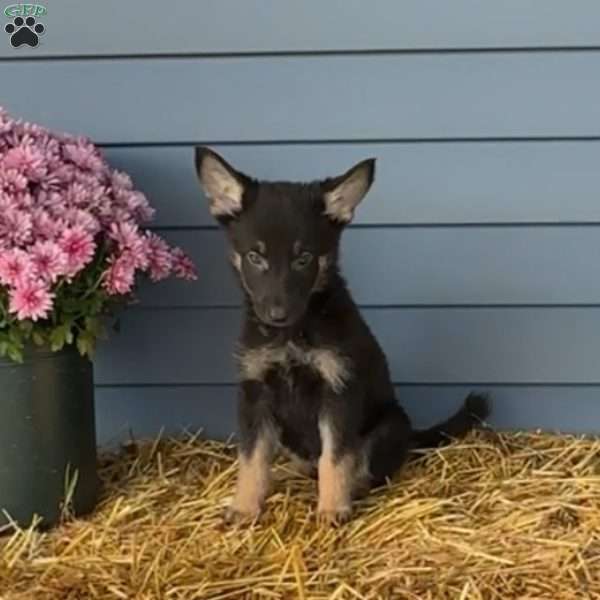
[(494, 516)]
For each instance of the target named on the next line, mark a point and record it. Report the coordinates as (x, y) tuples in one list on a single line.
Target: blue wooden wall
[(476, 254)]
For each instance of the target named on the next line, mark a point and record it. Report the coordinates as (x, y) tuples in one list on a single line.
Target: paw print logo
[(24, 31)]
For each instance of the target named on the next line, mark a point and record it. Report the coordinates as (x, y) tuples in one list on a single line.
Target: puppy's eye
[(256, 260), (303, 260)]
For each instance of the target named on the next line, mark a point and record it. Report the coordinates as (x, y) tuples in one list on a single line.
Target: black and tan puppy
[(314, 380)]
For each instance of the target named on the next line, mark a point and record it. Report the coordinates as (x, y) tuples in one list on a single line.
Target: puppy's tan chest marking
[(334, 368)]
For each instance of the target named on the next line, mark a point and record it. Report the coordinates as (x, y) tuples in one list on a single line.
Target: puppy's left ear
[(343, 194)]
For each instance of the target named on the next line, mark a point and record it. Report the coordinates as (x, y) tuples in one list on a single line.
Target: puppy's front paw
[(246, 515), (335, 516)]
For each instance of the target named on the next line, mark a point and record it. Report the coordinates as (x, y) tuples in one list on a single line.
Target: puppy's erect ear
[(222, 184), (343, 194)]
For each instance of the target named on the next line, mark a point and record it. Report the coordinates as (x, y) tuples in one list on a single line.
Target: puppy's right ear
[(222, 184)]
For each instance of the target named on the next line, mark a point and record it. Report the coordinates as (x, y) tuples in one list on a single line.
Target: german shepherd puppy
[(314, 379)]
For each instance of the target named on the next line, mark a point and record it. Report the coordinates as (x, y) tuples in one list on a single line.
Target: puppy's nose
[(277, 314)]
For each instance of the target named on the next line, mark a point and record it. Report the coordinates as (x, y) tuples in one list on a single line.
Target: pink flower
[(65, 173), (31, 300), (12, 181), (76, 217), (49, 261), (160, 258), (84, 155), (119, 278), (15, 267), (183, 267), (15, 227), (125, 234), (76, 195), (128, 238), (117, 214), (50, 200), (27, 160), (121, 180), (22, 200), (45, 225), (138, 206), (79, 247)]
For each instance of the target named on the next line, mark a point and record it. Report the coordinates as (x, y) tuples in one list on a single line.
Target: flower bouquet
[(72, 243)]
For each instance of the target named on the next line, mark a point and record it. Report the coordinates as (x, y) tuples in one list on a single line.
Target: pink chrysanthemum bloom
[(84, 155), (120, 180), (11, 181), (128, 238), (50, 199), (137, 204), (31, 300), (45, 225), (76, 195), (64, 173), (23, 200), (27, 160), (119, 214), (15, 227), (183, 266), (119, 278), (160, 258), (79, 247), (49, 261), (15, 267), (125, 234), (75, 217)]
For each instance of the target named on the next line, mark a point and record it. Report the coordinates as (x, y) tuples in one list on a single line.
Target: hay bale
[(494, 516)]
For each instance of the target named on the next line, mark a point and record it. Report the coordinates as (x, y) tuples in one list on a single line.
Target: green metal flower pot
[(47, 437)]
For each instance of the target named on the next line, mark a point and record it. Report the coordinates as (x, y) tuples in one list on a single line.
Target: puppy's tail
[(474, 410)]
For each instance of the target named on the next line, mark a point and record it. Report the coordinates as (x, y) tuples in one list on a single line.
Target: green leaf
[(86, 344), (61, 335), (14, 335), (38, 338), (15, 353), (94, 326), (57, 338)]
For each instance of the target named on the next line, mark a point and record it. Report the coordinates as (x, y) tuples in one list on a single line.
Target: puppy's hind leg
[(348, 471), (389, 441), (387, 444)]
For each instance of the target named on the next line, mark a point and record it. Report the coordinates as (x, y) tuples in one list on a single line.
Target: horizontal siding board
[(112, 27), (444, 183), (456, 265), (313, 97), (525, 345), (144, 411)]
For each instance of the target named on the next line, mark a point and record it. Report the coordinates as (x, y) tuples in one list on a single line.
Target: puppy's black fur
[(313, 377)]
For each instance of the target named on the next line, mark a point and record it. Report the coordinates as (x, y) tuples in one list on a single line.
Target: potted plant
[(72, 250)]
